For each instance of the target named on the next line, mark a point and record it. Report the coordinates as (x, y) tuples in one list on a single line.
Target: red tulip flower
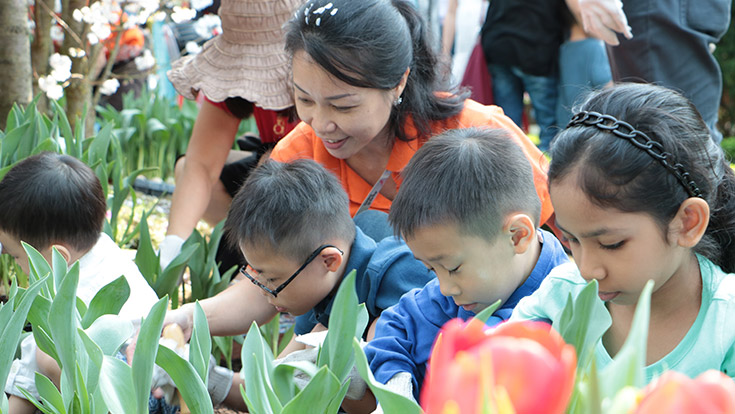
[(518, 367), (712, 392)]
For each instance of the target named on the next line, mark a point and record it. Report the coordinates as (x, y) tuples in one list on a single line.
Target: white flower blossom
[(208, 25), (76, 52), (49, 85), (145, 61), (152, 82), (201, 4), (182, 14), (193, 48), (92, 38), (77, 15), (60, 67), (109, 86), (57, 34), (101, 30)]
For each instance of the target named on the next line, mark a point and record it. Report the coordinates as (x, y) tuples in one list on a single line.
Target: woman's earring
[(398, 101)]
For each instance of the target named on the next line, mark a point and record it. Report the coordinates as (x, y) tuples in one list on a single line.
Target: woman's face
[(346, 118)]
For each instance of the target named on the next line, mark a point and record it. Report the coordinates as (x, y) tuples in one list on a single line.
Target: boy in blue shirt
[(468, 210), (293, 225)]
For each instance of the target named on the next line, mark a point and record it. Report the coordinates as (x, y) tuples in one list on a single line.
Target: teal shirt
[(709, 344)]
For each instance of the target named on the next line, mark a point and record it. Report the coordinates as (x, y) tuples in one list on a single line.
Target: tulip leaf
[(348, 319), (486, 313), (187, 380), (4, 408), (145, 256), (94, 361), (62, 322), (389, 401), (116, 384), (200, 345), (336, 402), (12, 326), (170, 276), (283, 374), (50, 395), (627, 368), (39, 268), (109, 332), (108, 300), (574, 323), (257, 368), (145, 353), (317, 394)]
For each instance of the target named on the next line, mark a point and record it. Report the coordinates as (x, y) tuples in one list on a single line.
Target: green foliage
[(152, 131), (204, 272), (598, 391), (270, 388), (389, 401), (725, 54), (163, 281), (728, 145), (12, 318)]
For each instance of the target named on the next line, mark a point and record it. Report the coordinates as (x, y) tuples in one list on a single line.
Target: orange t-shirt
[(302, 142)]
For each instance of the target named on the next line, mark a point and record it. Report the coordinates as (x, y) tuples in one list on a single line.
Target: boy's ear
[(522, 231), (332, 258), (65, 252), (691, 221)]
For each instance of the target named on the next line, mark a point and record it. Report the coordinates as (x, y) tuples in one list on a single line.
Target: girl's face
[(346, 118), (622, 251)]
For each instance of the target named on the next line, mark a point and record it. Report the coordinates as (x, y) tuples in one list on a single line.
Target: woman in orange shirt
[(369, 90)]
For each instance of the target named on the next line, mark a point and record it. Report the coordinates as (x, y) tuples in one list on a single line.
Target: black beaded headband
[(641, 141)]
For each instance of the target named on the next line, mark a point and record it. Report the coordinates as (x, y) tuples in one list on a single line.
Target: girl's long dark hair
[(615, 173)]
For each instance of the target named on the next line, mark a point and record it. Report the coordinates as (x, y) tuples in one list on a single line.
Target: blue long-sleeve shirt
[(405, 332)]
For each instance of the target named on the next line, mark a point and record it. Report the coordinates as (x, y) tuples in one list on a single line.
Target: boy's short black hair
[(51, 198), (295, 207), (472, 177)]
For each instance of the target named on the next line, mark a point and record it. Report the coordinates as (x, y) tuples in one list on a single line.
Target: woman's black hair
[(613, 172), (370, 44)]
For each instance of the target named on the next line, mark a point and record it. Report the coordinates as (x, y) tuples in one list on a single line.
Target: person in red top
[(370, 91), (241, 73)]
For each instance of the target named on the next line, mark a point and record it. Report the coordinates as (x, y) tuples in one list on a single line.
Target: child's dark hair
[(369, 44), (615, 172), (294, 207), (471, 177), (50, 199)]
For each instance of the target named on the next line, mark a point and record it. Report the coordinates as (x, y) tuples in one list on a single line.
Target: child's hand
[(184, 317)]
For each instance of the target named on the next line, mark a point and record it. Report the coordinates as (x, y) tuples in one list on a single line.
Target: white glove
[(602, 18), (170, 248), (401, 384), (357, 387), (219, 382)]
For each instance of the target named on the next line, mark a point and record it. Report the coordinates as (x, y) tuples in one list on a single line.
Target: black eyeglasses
[(276, 291)]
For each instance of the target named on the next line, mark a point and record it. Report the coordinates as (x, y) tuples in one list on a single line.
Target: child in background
[(642, 192), (469, 211), (52, 200), (292, 223)]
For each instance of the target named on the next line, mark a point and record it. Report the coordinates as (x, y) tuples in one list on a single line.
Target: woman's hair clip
[(320, 12)]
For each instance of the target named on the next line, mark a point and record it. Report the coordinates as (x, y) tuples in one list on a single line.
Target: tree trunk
[(79, 92), (15, 57), (41, 46)]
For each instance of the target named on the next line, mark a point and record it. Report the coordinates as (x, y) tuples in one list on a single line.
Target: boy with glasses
[(292, 223)]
